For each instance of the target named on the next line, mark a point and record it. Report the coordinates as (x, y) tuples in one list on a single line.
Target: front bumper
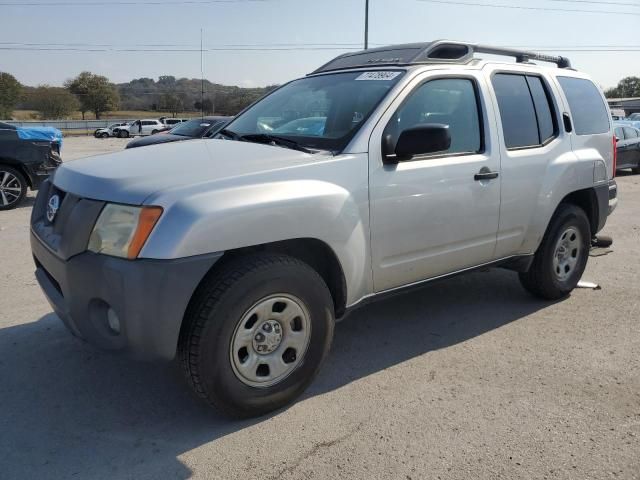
[(149, 297)]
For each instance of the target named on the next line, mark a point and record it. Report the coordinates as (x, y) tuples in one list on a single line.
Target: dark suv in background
[(27, 157)]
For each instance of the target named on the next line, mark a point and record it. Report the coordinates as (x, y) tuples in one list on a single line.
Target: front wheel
[(256, 334), (104, 135), (123, 134), (13, 187), (562, 256)]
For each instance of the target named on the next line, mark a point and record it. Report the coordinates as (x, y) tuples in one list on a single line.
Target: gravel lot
[(469, 378)]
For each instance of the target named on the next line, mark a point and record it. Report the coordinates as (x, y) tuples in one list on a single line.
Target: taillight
[(615, 154)]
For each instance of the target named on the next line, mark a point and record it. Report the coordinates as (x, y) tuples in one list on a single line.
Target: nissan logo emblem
[(52, 207)]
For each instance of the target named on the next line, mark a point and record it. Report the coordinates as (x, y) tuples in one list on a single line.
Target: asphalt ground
[(468, 378)]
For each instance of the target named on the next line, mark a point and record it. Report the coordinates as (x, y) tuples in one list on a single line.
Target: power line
[(520, 7), (185, 45), (175, 50), (126, 2), (595, 2)]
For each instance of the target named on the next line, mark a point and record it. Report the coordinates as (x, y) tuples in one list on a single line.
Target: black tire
[(12, 183), (636, 170), (215, 313), (123, 134), (542, 280), (104, 135), (153, 132)]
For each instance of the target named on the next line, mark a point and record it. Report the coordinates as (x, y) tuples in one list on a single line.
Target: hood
[(132, 175), (156, 139)]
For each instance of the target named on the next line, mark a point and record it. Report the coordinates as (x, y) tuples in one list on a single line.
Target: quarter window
[(588, 110), (450, 101), (528, 118)]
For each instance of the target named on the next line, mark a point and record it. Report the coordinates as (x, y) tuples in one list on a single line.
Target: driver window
[(448, 101)]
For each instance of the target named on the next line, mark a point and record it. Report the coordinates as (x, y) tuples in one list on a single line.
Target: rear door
[(530, 140)]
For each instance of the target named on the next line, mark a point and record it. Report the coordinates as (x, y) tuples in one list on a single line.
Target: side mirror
[(418, 140)]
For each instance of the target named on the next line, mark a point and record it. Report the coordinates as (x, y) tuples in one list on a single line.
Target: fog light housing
[(113, 321)]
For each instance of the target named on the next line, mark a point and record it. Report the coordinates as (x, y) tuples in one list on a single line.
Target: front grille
[(68, 233)]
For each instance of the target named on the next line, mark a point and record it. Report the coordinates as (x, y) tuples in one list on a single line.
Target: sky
[(264, 42)]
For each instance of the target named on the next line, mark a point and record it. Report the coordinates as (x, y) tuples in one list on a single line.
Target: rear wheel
[(153, 132), (562, 256), (256, 334), (13, 187), (104, 135)]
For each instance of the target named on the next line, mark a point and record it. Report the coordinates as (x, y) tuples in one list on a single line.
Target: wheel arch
[(315, 253), (20, 167), (587, 200)]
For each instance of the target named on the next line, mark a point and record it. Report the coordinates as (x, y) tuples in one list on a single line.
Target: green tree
[(205, 106), (54, 102), (10, 93), (627, 87), (95, 93), (171, 103)]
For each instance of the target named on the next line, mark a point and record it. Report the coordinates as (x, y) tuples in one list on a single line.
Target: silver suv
[(382, 170)]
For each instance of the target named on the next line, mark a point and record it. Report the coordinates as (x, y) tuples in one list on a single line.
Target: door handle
[(485, 175)]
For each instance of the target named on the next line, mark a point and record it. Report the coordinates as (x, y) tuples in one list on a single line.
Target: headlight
[(122, 230)]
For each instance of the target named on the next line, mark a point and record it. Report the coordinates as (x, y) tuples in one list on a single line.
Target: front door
[(433, 214)]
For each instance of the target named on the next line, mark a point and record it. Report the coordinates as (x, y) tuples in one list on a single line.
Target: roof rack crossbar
[(522, 56), (439, 51)]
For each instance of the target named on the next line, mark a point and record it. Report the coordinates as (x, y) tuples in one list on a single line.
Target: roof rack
[(439, 51)]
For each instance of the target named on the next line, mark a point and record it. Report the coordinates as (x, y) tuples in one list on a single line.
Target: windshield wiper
[(274, 139), (229, 133)]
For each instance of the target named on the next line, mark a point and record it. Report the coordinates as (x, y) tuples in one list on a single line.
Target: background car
[(139, 127), (27, 157), (108, 131), (172, 122), (628, 147), (205, 127), (634, 117)]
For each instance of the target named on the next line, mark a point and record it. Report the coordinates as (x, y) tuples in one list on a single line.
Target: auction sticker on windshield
[(378, 75)]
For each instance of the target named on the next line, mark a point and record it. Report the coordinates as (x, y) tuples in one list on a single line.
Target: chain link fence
[(86, 127)]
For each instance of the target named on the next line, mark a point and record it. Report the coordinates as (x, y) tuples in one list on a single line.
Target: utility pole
[(201, 77), (366, 24)]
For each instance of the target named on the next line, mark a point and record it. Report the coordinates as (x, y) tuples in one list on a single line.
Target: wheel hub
[(567, 253), (268, 337), (270, 340)]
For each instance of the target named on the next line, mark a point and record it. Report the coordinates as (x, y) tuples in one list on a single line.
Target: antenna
[(366, 24), (201, 77)]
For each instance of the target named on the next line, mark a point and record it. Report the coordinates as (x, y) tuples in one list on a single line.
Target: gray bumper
[(148, 296), (613, 196)]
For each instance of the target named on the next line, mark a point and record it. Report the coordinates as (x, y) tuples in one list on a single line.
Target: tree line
[(93, 93)]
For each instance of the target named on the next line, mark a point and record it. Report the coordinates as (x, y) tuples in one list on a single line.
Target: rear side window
[(588, 110), (542, 102), (525, 109)]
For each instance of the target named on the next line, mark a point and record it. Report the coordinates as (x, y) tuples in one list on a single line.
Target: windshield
[(192, 128), (322, 112)]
